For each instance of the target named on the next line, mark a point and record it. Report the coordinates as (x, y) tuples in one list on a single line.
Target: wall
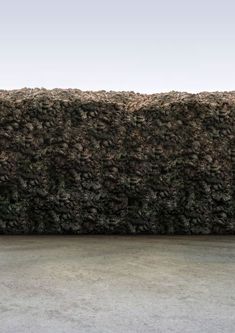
[(86, 162)]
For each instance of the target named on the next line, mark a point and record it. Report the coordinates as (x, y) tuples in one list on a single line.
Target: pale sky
[(143, 46)]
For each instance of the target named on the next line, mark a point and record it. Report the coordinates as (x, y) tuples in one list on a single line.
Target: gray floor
[(117, 284)]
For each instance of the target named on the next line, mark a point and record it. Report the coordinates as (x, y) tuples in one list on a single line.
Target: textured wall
[(82, 162)]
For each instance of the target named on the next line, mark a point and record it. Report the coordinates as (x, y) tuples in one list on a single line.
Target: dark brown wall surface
[(98, 162)]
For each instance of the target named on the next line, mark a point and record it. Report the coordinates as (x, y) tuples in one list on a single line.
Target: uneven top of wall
[(130, 101)]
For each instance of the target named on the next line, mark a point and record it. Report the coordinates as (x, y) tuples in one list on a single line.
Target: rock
[(208, 158)]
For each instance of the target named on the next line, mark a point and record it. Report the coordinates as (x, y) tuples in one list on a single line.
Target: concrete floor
[(104, 284)]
